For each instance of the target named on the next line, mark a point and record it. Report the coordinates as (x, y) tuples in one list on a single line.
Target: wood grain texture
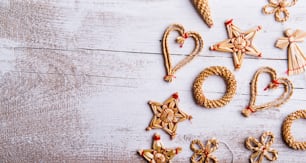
[(76, 76)]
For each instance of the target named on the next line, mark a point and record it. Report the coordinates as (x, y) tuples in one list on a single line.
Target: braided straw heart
[(180, 39), (275, 82)]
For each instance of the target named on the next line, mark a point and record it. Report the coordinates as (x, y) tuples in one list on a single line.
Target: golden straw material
[(231, 85), (203, 154), (279, 9), (261, 148), (167, 115), (275, 82), (180, 39), (286, 130), (296, 57), (239, 43), (203, 9), (158, 153)]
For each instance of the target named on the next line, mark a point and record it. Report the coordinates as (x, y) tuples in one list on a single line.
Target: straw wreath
[(296, 57), (275, 82), (180, 39), (203, 9), (279, 9), (228, 77), (158, 153), (167, 115), (261, 148), (286, 130)]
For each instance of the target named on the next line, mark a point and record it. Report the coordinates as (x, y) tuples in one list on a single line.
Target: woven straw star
[(262, 148), (159, 154), (239, 43), (167, 115)]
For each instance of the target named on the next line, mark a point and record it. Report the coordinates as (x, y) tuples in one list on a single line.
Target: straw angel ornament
[(296, 57)]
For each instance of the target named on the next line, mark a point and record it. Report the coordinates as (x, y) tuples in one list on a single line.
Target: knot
[(169, 78), (247, 111), (181, 39), (274, 84)]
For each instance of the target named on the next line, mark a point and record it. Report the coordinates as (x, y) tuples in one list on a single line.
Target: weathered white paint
[(77, 76)]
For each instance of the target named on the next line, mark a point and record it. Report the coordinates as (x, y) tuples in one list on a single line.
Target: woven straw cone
[(204, 10), (286, 130)]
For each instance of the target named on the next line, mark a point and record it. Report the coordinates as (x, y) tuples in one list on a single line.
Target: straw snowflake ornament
[(203, 153), (167, 115), (296, 57), (203, 9), (279, 9), (239, 43), (158, 153)]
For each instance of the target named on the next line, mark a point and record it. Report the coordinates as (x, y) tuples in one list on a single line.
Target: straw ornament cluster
[(279, 9), (203, 154), (183, 35), (203, 9), (159, 153), (275, 83), (167, 115), (261, 148), (296, 57), (231, 85), (239, 43), (286, 130)]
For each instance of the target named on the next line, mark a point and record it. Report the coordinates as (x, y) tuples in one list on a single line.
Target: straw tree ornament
[(296, 57), (286, 130), (261, 148), (278, 8), (203, 154), (274, 84), (167, 115), (180, 39), (239, 43), (203, 9), (158, 153)]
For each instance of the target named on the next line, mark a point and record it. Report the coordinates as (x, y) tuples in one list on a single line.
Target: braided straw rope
[(202, 154), (180, 39), (281, 14), (275, 82), (286, 130), (204, 10), (228, 77)]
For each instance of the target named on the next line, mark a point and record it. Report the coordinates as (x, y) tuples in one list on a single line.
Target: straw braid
[(183, 36), (286, 130), (204, 10), (228, 77), (279, 9), (288, 90)]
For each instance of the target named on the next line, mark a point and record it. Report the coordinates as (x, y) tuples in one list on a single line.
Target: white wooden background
[(76, 76)]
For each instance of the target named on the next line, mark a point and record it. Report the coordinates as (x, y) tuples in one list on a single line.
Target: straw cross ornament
[(296, 57), (203, 154), (279, 9), (261, 148), (158, 153), (167, 115), (239, 43)]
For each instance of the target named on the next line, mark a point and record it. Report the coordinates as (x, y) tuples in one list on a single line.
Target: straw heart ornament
[(183, 35), (239, 43), (261, 148), (296, 57), (279, 9), (274, 84)]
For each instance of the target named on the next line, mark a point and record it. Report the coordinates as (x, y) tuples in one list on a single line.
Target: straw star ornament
[(167, 115), (158, 153), (239, 43)]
